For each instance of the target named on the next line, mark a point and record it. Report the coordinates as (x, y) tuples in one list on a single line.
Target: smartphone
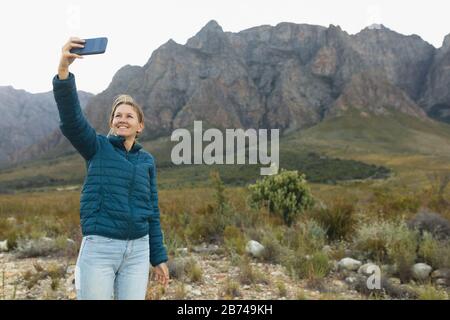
[(92, 46)]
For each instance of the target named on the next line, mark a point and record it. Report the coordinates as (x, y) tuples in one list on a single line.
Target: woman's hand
[(161, 274), (67, 58)]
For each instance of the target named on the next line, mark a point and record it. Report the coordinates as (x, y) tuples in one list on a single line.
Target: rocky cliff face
[(26, 119), (436, 97), (373, 93), (289, 76), (284, 77)]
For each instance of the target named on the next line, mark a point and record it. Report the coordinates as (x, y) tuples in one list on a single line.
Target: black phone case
[(92, 46)]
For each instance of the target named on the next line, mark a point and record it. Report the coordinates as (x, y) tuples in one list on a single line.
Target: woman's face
[(126, 122)]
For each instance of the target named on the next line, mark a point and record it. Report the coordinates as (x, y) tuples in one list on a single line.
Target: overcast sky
[(33, 32)]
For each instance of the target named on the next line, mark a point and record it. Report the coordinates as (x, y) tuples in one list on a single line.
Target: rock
[(348, 252), (421, 271), (70, 242), (339, 284), (367, 269), (442, 282), (441, 273), (4, 245), (72, 295), (334, 265), (70, 282), (327, 249), (349, 264), (254, 248), (196, 292), (182, 251), (176, 267), (351, 280), (204, 248), (70, 269), (395, 281), (389, 269)]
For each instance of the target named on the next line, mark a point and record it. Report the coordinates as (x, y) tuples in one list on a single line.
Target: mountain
[(436, 97), (26, 119), (373, 93), (289, 76)]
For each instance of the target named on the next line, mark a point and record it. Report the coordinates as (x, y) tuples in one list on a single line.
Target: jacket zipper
[(129, 198)]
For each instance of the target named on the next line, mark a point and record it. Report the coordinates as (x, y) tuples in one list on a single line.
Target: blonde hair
[(125, 99)]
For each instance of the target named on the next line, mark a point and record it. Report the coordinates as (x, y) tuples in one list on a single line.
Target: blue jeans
[(112, 269)]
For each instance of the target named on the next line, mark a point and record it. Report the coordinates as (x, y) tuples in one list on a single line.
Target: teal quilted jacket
[(119, 198)]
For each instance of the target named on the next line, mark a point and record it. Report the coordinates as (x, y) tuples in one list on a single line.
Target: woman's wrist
[(63, 73)]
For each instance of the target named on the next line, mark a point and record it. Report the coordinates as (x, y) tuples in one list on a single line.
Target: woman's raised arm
[(73, 124)]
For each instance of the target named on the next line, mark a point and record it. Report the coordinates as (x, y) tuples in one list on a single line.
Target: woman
[(119, 211)]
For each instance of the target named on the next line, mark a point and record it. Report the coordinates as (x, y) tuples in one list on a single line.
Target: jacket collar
[(119, 140)]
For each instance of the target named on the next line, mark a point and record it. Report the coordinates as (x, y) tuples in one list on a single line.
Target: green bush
[(193, 270), (248, 275), (313, 267), (286, 194), (231, 289), (305, 237), (234, 240), (389, 242), (273, 250), (401, 248), (389, 203), (429, 292), (428, 249), (338, 220), (434, 252)]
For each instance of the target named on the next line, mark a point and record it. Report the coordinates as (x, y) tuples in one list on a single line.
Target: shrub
[(389, 204), (282, 291), (273, 250), (434, 252), (180, 292), (388, 241), (209, 223), (428, 249), (429, 292), (401, 248), (305, 237), (204, 227), (312, 267), (193, 270), (248, 275), (371, 240), (300, 295), (338, 220), (439, 184), (219, 193), (231, 289), (431, 222), (181, 267), (286, 194), (10, 232), (55, 272), (234, 240)]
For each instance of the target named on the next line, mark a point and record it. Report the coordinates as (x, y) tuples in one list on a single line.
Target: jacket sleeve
[(158, 252), (73, 123)]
